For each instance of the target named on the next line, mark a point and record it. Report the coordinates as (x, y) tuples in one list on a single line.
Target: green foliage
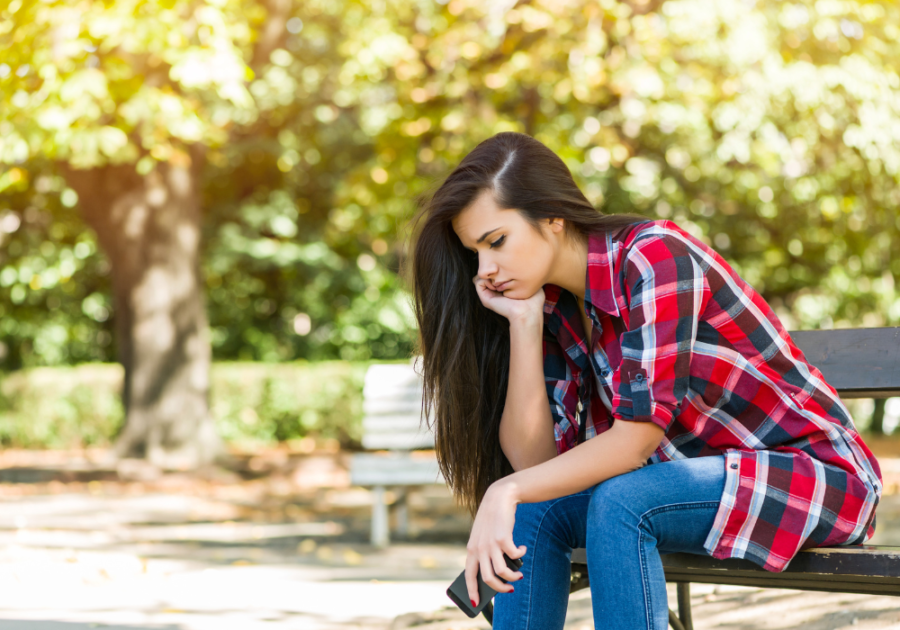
[(141, 82), (84, 410), (55, 302), (261, 403), (769, 129), (125, 81), (253, 403)]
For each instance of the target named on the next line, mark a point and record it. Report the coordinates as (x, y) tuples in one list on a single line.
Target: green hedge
[(252, 403)]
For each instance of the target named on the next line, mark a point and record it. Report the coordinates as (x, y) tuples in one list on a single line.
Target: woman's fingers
[(488, 566), (508, 307), (486, 282), (501, 569), (488, 296), (491, 566), (510, 549), (485, 285), (472, 579)]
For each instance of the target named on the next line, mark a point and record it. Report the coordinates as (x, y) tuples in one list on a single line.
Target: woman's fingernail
[(512, 590), (473, 603)]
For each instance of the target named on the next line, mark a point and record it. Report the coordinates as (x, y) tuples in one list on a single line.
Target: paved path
[(177, 554)]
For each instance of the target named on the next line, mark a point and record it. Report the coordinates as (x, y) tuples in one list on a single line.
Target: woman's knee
[(563, 517), (618, 500), (528, 514), (614, 490)]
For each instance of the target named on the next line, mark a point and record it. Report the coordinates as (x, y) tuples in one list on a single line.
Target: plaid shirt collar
[(599, 292)]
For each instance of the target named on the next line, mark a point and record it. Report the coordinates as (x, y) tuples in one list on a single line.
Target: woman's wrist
[(527, 321), (506, 489)]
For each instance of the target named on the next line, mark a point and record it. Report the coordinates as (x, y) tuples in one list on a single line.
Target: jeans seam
[(644, 580), (536, 534)]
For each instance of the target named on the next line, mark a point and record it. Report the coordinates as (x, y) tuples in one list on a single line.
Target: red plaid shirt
[(680, 340)]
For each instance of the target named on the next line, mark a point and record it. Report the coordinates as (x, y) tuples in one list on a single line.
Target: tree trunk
[(149, 226)]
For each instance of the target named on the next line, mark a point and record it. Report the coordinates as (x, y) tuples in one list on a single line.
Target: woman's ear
[(557, 224)]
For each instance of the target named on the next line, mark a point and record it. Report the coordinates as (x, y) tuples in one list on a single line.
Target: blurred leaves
[(769, 129)]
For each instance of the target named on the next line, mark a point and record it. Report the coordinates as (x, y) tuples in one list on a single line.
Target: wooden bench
[(392, 403), (858, 363)]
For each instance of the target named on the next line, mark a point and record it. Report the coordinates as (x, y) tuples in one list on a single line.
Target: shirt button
[(604, 373), (639, 378), (734, 466)]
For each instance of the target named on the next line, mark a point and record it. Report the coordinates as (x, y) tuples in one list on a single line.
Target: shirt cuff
[(643, 408)]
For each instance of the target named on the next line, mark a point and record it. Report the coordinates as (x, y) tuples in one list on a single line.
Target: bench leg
[(402, 510), (684, 605), (674, 622), (380, 529)]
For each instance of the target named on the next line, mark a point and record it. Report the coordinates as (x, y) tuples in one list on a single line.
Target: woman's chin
[(518, 293)]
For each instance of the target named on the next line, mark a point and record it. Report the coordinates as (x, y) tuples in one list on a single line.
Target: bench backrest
[(857, 362), (392, 404)]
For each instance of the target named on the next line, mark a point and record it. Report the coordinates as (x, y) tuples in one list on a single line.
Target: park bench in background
[(858, 363), (392, 404)]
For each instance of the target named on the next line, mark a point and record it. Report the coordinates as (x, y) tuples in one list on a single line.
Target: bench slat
[(395, 424), (387, 379), (864, 569), (801, 581), (404, 442), (393, 469), (857, 362), (846, 561), (412, 393), (857, 560), (393, 406)]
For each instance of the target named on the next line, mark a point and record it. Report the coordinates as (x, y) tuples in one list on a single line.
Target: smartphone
[(460, 594)]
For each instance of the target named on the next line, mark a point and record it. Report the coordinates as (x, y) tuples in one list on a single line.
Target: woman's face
[(512, 256)]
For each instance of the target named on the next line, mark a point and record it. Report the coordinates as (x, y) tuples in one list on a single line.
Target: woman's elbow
[(641, 439)]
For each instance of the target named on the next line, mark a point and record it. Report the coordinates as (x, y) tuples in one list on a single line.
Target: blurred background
[(230, 181), (204, 204)]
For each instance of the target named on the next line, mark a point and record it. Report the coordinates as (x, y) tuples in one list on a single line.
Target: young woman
[(564, 350)]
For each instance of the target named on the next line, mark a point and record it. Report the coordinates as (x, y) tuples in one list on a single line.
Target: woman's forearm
[(526, 427), (622, 448)]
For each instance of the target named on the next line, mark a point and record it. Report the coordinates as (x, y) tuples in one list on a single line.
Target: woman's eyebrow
[(486, 234)]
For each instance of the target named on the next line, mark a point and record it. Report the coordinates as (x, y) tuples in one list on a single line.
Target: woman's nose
[(486, 267)]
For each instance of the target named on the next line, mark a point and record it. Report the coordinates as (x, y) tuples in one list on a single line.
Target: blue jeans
[(624, 523)]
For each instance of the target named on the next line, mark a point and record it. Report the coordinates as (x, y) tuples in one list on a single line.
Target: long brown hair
[(465, 346)]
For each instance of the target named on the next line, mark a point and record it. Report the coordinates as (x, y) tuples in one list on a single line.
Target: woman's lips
[(501, 287)]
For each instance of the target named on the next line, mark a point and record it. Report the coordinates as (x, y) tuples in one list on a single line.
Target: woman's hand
[(491, 536), (531, 309)]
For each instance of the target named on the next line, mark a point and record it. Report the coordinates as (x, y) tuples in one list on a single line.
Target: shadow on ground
[(285, 544)]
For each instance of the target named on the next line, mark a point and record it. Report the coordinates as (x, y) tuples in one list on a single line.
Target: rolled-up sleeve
[(666, 289)]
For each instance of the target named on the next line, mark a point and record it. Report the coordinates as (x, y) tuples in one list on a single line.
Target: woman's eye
[(498, 242)]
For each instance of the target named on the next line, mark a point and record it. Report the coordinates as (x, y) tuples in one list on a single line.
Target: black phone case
[(460, 594)]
